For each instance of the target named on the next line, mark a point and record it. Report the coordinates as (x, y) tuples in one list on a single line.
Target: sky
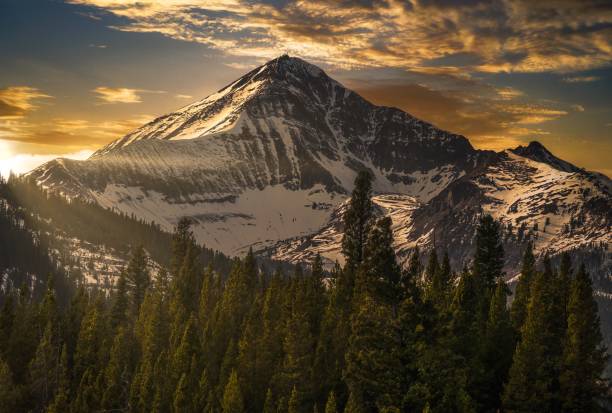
[(78, 74)]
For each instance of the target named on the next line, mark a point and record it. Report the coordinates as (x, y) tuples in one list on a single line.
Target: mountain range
[(268, 163)]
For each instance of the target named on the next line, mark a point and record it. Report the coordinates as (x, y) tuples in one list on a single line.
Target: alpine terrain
[(268, 162)]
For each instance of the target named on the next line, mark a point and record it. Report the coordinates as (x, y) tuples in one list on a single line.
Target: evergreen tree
[(489, 254), (269, 406), (584, 358), (8, 390), (432, 268), (119, 306), (379, 275), (373, 369), (118, 371), (138, 278), (357, 220), (232, 396), (411, 275), (498, 347), (522, 292), (331, 406), (44, 366), (532, 379), (61, 400)]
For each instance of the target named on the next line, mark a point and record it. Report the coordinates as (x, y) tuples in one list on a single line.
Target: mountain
[(264, 159), (547, 201), (269, 161)]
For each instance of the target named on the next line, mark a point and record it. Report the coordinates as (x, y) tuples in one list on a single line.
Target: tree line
[(369, 336)]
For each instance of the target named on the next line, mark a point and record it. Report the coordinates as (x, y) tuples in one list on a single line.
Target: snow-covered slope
[(540, 199), (264, 159), (269, 160)]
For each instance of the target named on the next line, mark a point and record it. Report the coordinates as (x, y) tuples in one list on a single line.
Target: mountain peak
[(538, 152)]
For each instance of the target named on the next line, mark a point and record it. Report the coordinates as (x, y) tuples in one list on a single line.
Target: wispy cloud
[(118, 95), (504, 36), (16, 100), (580, 79), (488, 120)]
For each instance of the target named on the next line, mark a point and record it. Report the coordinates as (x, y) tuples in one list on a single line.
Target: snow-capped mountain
[(269, 161), (537, 198), (264, 159)]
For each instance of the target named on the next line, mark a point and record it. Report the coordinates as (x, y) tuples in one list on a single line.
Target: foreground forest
[(366, 337)]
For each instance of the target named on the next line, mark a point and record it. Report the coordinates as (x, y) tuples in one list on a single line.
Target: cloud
[(578, 108), (181, 96), (25, 162), (117, 95), (16, 100), (489, 121), (70, 134), (580, 79), (505, 36)]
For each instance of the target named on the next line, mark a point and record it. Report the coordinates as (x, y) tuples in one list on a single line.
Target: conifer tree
[(498, 348), (379, 275), (296, 370), (522, 292), (331, 406), (269, 406), (232, 396), (532, 379), (357, 220), (584, 358), (61, 400), (118, 311), (43, 368), (432, 268), (489, 254), (439, 288), (8, 391), (373, 369), (138, 278), (118, 371)]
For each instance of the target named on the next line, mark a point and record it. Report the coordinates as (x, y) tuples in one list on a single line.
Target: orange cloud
[(514, 35)]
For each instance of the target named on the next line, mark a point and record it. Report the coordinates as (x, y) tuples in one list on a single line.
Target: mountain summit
[(267, 162)]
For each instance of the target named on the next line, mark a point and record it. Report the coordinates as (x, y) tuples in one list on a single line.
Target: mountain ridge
[(270, 157)]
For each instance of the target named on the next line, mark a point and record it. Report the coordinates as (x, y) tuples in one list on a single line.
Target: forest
[(367, 336)]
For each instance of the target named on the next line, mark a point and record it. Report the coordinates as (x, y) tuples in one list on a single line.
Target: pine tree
[(296, 370), (232, 396), (137, 278), (439, 289), (44, 366), (432, 268), (357, 220), (118, 371), (331, 406), (531, 384), (522, 292), (379, 275), (181, 401), (584, 358), (373, 369), (498, 347), (294, 405), (8, 391), (489, 254), (269, 406), (61, 400), (118, 311)]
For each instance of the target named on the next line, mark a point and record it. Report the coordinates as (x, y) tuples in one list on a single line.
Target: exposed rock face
[(269, 160), (264, 158)]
